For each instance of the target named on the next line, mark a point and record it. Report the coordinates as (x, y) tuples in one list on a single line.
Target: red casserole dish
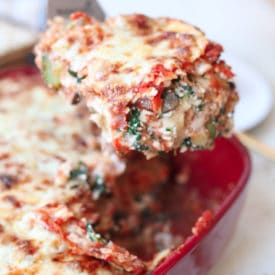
[(226, 168)]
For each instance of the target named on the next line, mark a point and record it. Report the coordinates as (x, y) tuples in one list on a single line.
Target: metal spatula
[(65, 7)]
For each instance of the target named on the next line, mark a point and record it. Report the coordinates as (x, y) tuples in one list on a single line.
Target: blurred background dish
[(256, 97), (16, 42)]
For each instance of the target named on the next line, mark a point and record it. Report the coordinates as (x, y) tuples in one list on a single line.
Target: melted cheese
[(124, 45), (123, 51), (37, 152)]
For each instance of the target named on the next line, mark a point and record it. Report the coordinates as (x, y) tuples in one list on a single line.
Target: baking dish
[(225, 171)]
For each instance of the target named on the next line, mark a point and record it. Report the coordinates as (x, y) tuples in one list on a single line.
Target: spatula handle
[(257, 146)]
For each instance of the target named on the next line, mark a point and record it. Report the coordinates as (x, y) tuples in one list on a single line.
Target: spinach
[(81, 172), (222, 110), (98, 187), (94, 236), (134, 125), (182, 90), (188, 90), (199, 107), (134, 121), (187, 142), (141, 147), (75, 75)]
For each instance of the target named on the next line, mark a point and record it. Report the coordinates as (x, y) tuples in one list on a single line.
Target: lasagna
[(67, 207), (151, 85)]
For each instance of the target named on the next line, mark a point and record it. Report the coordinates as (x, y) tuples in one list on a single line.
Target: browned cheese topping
[(151, 85)]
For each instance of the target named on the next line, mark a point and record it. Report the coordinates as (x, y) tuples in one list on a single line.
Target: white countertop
[(247, 29)]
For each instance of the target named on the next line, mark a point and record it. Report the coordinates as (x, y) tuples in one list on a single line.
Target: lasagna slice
[(151, 85)]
